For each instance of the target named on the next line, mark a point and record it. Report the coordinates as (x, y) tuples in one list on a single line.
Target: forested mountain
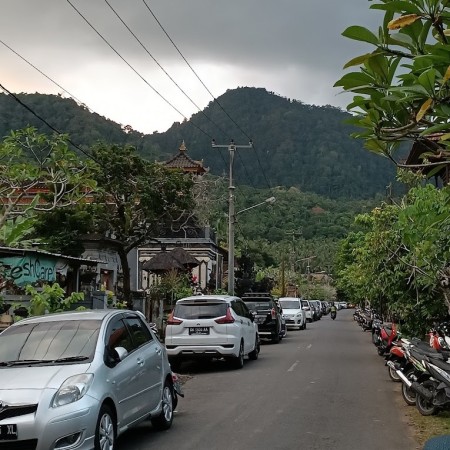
[(295, 145)]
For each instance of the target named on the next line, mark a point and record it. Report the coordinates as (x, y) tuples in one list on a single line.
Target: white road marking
[(309, 346), (293, 366)]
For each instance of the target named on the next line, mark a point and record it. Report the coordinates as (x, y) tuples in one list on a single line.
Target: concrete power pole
[(231, 215)]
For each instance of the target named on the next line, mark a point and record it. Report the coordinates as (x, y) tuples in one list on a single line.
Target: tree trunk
[(126, 278)]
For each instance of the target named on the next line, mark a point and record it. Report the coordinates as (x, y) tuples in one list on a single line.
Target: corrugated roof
[(24, 251)]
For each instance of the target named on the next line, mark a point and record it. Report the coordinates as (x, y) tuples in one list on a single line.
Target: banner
[(23, 270)]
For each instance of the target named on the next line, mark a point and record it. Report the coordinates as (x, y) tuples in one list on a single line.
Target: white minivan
[(293, 312), (211, 326)]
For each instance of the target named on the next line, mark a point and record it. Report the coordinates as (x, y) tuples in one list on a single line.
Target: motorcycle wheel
[(393, 375), (408, 394), (380, 350), (425, 407)]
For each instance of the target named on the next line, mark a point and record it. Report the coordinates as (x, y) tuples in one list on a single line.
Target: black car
[(267, 315)]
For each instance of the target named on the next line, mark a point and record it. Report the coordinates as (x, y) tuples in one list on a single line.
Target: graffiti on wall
[(23, 270)]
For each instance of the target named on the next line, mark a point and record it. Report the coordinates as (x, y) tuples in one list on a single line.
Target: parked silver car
[(77, 380)]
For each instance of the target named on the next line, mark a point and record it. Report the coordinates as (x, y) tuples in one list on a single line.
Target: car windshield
[(258, 306), (62, 341), (290, 304), (200, 310)]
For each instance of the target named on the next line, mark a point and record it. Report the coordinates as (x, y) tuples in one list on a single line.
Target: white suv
[(211, 326), (293, 312)]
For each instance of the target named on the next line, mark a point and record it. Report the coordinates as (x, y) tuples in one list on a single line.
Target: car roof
[(206, 298), (289, 298), (89, 314)]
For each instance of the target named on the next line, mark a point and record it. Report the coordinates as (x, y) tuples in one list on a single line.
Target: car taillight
[(273, 313), (227, 318), (173, 321)]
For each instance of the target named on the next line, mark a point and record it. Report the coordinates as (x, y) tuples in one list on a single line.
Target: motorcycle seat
[(441, 364), (431, 353)]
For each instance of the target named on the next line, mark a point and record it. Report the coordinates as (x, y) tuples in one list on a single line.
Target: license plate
[(8, 432), (199, 330)]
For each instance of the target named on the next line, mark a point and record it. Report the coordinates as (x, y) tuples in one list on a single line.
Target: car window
[(117, 335), (49, 340), (139, 332), (258, 305), (238, 308), (305, 303), (290, 304), (207, 310)]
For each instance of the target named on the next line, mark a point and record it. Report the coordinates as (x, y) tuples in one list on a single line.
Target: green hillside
[(295, 145)]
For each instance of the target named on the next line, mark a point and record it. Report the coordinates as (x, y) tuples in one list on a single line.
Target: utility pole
[(231, 215)]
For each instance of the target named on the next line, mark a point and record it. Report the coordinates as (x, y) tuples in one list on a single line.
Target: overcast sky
[(291, 47)]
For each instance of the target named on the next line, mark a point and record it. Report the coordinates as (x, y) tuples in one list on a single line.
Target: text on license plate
[(8, 432), (198, 330)]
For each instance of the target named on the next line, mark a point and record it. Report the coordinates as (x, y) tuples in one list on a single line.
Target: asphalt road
[(322, 388)]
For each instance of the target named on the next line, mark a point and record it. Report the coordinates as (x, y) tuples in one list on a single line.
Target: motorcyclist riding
[(333, 311)]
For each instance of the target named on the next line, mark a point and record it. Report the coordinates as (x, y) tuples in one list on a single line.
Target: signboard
[(23, 270)]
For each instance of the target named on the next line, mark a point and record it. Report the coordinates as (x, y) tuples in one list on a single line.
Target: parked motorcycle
[(433, 394), (388, 335)]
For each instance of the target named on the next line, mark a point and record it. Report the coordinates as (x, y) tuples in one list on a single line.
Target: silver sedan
[(78, 380)]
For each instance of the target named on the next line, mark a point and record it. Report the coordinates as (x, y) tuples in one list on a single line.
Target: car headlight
[(72, 389)]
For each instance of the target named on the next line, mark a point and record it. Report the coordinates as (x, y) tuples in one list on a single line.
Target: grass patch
[(426, 427)]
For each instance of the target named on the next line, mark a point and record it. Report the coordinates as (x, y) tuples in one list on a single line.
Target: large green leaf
[(427, 79), (398, 6), (436, 128), (354, 79), (360, 59), (359, 33)]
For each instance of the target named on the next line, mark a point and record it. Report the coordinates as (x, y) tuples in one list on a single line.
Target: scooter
[(388, 335)]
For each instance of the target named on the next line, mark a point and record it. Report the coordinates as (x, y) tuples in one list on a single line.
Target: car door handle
[(140, 362), (158, 351)]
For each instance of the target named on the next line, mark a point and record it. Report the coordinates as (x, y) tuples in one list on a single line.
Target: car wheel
[(238, 361), (175, 364), (253, 355), (165, 418), (105, 431)]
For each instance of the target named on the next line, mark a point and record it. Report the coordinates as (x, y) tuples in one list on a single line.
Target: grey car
[(77, 380)]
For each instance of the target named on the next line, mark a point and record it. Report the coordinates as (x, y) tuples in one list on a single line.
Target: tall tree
[(402, 87), (140, 200), (38, 173)]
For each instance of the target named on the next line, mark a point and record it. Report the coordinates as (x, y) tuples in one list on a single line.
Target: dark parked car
[(267, 315)]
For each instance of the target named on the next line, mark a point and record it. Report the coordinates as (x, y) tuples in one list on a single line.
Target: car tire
[(164, 420), (175, 364), (253, 355), (105, 430), (237, 362)]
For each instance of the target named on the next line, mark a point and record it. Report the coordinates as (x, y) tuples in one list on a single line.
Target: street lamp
[(231, 221)]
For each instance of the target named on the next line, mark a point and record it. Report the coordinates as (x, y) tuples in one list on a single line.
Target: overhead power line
[(162, 68), (207, 89), (134, 70)]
